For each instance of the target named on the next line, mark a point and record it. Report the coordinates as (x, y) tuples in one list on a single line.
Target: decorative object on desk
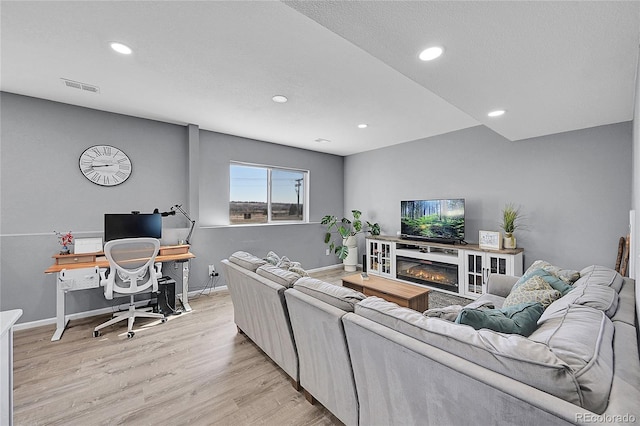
[(347, 230), (105, 165), (511, 217), (490, 240), (65, 241), (172, 212), (87, 245)]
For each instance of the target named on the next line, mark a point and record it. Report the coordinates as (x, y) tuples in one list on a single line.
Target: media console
[(457, 269)]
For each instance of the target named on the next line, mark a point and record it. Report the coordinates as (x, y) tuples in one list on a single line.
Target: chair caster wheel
[(96, 333), (130, 334), (163, 320)]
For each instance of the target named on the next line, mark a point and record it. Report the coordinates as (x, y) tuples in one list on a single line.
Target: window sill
[(246, 225)]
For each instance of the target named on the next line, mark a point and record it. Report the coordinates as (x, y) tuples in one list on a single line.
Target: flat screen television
[(129, 225), (433, 220)]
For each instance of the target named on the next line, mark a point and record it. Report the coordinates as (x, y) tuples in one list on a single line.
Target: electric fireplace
[(428, 272)]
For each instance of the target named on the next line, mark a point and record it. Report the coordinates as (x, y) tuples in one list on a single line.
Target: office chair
[(131, 271)]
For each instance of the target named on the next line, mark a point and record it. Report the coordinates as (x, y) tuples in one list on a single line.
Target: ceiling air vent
[(81, 86)]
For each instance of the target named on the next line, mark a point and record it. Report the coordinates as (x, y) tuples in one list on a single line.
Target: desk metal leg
[(61, 320), (185, 286)]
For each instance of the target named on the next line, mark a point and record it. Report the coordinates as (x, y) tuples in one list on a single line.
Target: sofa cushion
[(582, 337), (341, 297), (596, 296), (600, 275), (582, 379), (278, 275), (567, 275), (535, 289), (246, 260), (519, 319), (626, 304), (555, 282)]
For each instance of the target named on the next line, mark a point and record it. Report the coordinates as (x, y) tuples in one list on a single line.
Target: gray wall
[(574, 187), (42, 190)]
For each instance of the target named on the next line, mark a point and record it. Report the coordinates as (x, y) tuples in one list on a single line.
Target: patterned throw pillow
[(284, 263), (297, 268), (555, 282), (272, 258), (536, 289), (567, 275)]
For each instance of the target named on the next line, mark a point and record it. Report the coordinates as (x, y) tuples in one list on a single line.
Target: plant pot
[(351, 261), (509, 241)]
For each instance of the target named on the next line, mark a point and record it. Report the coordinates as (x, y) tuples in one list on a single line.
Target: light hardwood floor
[(194, 369)]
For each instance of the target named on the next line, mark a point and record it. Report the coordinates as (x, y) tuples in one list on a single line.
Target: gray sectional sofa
[(371, 362)]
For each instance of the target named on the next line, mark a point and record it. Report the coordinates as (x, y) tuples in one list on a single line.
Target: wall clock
[(105, 165)]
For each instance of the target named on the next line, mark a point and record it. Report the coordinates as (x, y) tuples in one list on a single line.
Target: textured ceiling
[(555, 66)]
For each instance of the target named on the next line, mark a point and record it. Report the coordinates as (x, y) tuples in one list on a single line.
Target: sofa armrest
[(500, 285)]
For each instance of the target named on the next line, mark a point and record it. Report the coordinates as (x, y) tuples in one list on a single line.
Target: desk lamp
[(172, 212)]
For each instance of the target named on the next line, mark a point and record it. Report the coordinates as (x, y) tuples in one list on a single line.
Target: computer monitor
[(129, 225)]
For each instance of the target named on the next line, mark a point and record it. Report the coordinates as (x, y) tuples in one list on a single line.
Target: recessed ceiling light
[(362, 126), (121, 48), (496, 113), (320, 140), (279, 99), (431, 53)]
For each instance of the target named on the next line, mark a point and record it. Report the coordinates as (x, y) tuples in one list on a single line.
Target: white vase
[(509, 241), (351, 261)]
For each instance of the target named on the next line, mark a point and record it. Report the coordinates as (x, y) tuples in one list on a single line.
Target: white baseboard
[(326, 268), (102, 311)]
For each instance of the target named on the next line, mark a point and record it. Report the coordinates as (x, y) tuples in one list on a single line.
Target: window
[(261, 194)]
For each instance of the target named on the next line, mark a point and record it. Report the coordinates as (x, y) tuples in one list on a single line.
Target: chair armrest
[(501, 285)]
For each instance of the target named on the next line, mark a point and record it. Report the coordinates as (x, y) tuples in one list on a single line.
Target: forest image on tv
[(433, 219)]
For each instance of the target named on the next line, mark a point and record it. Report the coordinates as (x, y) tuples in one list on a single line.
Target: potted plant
[(511, 217), (346, 229)]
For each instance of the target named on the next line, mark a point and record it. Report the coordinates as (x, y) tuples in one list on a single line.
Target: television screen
[(436, 220), (124, 225)]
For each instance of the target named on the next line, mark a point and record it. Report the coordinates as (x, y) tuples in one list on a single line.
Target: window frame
[(269, 169)]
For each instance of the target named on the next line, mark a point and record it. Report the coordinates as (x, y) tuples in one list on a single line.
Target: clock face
[(105, 165)]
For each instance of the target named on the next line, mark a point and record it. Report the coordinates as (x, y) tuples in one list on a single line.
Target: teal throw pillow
[(519, 319), (555, 282)]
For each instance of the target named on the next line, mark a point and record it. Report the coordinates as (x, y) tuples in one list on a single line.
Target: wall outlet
[(327, 252), (212, 270)]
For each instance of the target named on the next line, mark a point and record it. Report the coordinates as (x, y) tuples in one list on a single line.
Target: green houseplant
[(341, 233), (511, 217)]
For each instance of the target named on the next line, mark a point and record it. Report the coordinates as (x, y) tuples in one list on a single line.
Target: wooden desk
[(180, 254), (407, 295)]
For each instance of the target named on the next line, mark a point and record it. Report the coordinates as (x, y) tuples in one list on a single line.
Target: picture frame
[(490, 240)]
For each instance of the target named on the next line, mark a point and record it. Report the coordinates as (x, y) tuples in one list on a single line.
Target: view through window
[(261, 194)]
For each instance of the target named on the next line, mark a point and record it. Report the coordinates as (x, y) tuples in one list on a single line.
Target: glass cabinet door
[(475, 273), (380, 258), (497, 264)]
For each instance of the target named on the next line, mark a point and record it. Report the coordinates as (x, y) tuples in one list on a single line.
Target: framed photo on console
[(490, 240)]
